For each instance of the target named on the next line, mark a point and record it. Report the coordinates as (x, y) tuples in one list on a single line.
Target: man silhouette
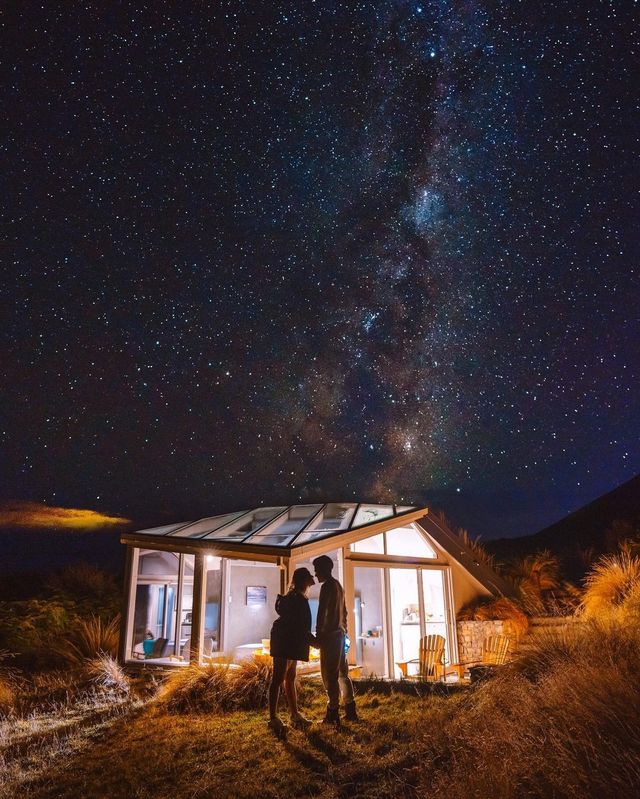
[(331, 630)]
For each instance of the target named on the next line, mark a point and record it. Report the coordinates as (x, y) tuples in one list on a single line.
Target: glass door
[(406, 621), (369, 611)]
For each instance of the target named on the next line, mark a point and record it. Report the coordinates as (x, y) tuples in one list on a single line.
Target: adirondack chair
[(495, 650), (430, 662)]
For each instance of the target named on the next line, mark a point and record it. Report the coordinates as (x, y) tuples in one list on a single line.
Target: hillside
[(591, 530)]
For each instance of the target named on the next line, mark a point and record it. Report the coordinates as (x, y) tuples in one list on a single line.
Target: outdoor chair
[(495, 650), (431, 660)]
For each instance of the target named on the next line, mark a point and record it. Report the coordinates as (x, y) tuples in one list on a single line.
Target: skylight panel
[(164, 530), (245, 525), (200, 528), (367, 514)]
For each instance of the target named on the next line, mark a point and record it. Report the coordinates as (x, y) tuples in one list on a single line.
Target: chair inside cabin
[(159, 646)]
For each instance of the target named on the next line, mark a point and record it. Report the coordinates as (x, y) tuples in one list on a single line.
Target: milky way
[(275, 252)]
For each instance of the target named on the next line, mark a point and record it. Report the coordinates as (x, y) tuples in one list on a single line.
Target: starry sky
[(278, 252)]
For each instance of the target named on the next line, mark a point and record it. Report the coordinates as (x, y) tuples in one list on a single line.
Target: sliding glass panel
[(212, 607), (408, 541), (185, 608), (154, 618), (371, 513), (405, 508), (368, 587), (405, 619), (373, 545), (202, 526), (434, 603)]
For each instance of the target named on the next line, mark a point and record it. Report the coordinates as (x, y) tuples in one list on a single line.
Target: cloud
[(37, 515)]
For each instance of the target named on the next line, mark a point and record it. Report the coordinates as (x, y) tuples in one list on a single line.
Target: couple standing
[(291, 638)]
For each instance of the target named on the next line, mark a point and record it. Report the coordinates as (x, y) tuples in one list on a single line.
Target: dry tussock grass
[(218, 687), (612, 588), (562, 727), (501, 608), (88, 639), (107, 674)]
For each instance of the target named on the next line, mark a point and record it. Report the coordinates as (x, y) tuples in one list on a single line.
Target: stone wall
[(471, 635)]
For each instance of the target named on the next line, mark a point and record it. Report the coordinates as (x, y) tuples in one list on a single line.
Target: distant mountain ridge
[(598, 527)]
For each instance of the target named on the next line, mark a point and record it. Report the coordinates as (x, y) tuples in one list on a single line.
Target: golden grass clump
[(569, 731), (197, 689), (106, 674), (218, 687), (249, 683), (7, 695), (499, 608), (478, 550), (612, 588), (9, 684), (90, 638)]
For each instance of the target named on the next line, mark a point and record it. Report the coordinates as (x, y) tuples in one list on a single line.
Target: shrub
[(9, 684), (612, 587), (501, 608), (197, 689), (565, 729), (88, 639), (83, 581), (107, 674)]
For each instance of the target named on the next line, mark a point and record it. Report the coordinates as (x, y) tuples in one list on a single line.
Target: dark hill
[(590, 531)]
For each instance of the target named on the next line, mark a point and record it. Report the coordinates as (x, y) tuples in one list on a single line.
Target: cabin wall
[(466, 588), (249, 623)]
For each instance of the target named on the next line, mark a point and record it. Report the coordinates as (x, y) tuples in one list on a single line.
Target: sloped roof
[(455, 547), (283, 527), (275, 532)]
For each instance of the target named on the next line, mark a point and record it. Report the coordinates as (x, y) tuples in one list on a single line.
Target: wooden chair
[(431, 660), (495, 650)]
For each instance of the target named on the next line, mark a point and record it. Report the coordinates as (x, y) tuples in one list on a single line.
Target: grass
[(561, 722), (88, 639), (612, 588)]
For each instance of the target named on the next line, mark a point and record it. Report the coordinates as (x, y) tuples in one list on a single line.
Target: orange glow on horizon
[(38, 515)]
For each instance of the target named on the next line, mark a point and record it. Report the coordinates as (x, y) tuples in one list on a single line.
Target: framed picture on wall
[(256, 595)]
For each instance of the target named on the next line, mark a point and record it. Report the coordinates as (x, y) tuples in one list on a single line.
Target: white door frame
[(351, 562)]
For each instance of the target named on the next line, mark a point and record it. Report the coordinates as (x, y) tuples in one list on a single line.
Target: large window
[(156, 604), (403, 541)]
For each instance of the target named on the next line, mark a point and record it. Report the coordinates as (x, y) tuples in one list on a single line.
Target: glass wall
[(369, 604), (406, 624), (212, 606), (434, 603), (156, 602), (394, 608)]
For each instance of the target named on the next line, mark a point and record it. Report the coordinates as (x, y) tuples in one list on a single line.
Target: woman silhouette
[(290, 640)]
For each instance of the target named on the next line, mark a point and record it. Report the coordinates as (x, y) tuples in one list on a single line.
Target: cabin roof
[(284, 528)]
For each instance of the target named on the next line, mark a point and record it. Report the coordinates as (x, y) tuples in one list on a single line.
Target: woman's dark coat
[(291, 633)]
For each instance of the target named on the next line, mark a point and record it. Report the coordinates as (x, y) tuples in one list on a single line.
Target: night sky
[(271, 252)]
